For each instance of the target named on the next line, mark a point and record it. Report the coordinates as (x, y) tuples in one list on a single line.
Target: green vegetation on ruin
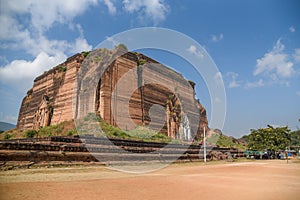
[(97, 59), (141, 62), (85, 53), (66, 128), (63, 68), (269, 138), (141, 133)]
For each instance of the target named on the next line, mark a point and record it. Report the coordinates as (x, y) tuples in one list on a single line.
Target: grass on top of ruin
[(139, 133), (66, 128)]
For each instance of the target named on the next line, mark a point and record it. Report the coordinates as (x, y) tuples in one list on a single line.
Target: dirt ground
[(255, 180)]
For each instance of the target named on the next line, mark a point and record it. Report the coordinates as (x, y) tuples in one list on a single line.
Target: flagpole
[(204, 146)]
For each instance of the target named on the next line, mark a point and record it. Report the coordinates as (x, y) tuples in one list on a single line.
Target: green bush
[(31, 133), (46, 131), (141, 62), (7, 136), (160, 137), (85, 53), (63, 68), (72, 132)]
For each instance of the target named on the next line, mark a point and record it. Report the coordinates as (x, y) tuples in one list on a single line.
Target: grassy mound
[(66, 128), (142, 133)]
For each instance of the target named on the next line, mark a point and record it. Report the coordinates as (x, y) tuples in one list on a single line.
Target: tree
[(269, 138), (122, 47), (295, 138)]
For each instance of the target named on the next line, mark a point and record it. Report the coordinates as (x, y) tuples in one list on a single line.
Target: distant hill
[(216, 137), (4, 126)]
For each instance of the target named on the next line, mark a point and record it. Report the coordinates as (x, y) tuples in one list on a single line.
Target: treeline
[(272, 138)]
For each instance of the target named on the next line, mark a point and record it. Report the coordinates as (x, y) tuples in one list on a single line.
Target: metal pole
[(204, 146)]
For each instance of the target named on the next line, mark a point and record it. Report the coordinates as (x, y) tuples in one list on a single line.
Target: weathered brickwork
[(52, 96)]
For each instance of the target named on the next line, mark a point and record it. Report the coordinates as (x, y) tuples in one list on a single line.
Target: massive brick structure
[(53, 94)]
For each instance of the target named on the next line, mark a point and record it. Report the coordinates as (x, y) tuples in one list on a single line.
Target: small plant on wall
[(63, 68)]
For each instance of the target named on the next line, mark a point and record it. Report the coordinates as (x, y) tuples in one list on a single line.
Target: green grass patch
[(7, 136), (85, 53), (141, 133), (97, 59), (30, 133)]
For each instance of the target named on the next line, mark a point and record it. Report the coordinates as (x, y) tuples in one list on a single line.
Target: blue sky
[(255, 44)]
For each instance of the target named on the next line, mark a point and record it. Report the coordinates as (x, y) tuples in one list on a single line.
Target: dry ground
[(235, 181)]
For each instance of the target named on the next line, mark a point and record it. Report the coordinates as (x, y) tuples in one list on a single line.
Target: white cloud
[(233, 83), (217, 38), (29, 36), (111, 7), (275, 64), (292, 29), (156, 10), (296, 55), (193, 50), (43, 14), (80, 45), (218, 78), (259, 83), (20, 73), (298, 93)]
